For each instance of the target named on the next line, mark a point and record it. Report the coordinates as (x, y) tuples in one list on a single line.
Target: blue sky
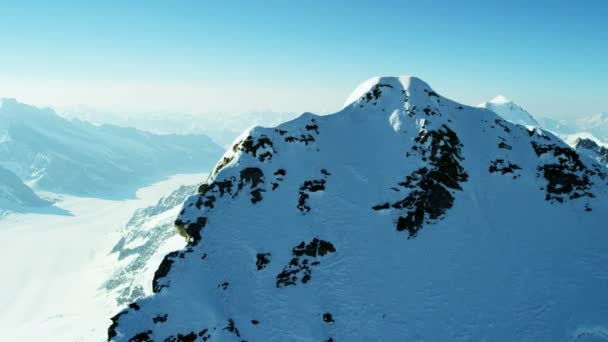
[(224, 56)]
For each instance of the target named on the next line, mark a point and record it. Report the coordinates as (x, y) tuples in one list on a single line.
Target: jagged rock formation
[(405, 216)]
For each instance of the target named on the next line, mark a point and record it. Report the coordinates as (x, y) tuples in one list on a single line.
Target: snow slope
[(78, 158), (405, 216), (55, 266), (509, 111), (15, 195)]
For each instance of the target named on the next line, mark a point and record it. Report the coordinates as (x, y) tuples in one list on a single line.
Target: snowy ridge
[(15, 195), (405, 216), (78, 158), (509, 111)]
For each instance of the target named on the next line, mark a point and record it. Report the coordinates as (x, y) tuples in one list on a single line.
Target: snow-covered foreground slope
[(405, 216), (15, 195), (78, 158), (55, 266)]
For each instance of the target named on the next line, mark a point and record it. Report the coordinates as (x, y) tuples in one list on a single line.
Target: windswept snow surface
[(55, 266), (403, 217)]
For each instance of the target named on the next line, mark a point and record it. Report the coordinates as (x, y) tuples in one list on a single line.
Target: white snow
[(504, 263), (500, 99), (54, 266), (510, 111)]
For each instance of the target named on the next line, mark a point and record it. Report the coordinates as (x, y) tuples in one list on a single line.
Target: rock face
[(592, 149), (405, 216)]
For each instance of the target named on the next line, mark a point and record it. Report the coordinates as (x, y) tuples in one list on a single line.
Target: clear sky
[(234, 56)]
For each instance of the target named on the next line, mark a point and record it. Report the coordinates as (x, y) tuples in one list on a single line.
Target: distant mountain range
[(222, 128), (74, 157)]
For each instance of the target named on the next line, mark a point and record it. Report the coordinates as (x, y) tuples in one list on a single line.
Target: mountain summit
[(404, 216)]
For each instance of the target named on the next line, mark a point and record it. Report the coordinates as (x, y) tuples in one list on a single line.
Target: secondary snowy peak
[(592, 147), (399, 217), (509, 111), (500, 99)]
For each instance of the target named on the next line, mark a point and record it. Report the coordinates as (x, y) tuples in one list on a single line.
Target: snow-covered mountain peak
[(510, 111), (397, 218), (500, 99), (388, 92)]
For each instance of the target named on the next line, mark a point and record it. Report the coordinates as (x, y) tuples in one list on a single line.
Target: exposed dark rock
[(252, 175), (231, 327), (160, 319), (307, 187), (142, 337), (504, 145), (313, 127), (300, 266), (430, 196), (112, 328), (567, 178), (503, 125), (263, 259), (194, 230), (189, 337), (225, 161), (328, 318), (382, 206), (162, 271), (502, 166), (251, 146)]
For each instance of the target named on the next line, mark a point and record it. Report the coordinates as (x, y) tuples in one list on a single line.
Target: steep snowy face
[(15, 195), (78, 158), (405, 216), (509, 111)]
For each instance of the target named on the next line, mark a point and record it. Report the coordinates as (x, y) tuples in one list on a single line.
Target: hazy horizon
[(206, 58)]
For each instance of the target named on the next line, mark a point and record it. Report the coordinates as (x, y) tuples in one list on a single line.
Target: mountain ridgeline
[(404, 216), (78, 158)]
